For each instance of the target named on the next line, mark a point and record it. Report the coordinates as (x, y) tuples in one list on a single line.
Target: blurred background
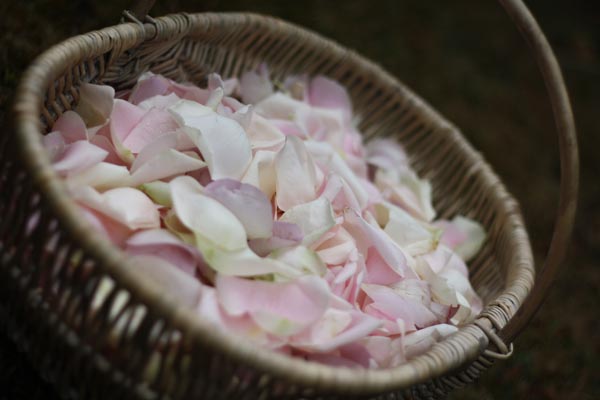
[(468, 61)]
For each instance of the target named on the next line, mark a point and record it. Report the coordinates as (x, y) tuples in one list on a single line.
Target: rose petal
[(160, 161), (370, 235), (340, 195), (325, 155), (280, 308), (284, 234), (127, 206), (162, 244), (465, 236), (112, 230), (414, 236), (219, 235), (396, 305), (105, 144), (322, 125), (71, 126), (222, 141), (418, 342), (228, 85), (279, 106), (288, 128), (168, 280), (405, 189), (360, 326), (247, 203), (314, 219), (261, 172), (160, 102), (296, 175), (327, 93), (149, 86), (78, 156), (95, 103), (386, 153), (101, 176), (205, 216), (300, 258), (335, 251), (255, 86), (125, 116), (378, 271), (448, 277), (264, 135), (159, 192), (154, 124), (54, 143), (210, 309)]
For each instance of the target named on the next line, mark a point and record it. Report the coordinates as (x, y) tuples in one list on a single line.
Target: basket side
[(143, 342)]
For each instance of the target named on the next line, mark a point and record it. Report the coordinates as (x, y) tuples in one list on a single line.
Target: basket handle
[(569, 164)]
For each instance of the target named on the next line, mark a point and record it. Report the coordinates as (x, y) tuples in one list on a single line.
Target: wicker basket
[(52, 263)]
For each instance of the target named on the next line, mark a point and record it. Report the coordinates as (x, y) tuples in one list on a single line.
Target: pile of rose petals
[(258, 206)]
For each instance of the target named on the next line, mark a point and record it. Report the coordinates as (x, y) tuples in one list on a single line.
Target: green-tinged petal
[(314, 218), (301, 258), (206, 217), (102, 176), (159, 192)]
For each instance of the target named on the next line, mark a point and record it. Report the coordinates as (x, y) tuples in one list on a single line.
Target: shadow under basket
[(136, 343)]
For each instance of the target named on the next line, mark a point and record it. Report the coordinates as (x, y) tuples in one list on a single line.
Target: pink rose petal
[(247, 203), (284, 234), (148, 86), (125, 116), (463, 235), (386, 153), (54, 143), (154, 124), (79, 156), (327, 93), (128, 206), (369, 235), (112, 230), (162, 244), (280, 308), (71, 126), (255, 86)]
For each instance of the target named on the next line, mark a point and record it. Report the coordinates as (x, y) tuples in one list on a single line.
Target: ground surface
[(467, 60)]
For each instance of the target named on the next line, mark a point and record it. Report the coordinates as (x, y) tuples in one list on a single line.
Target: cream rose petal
[(314, 219), (128, 206), (221, 140), (168, 279), (296, 175), (101, 176), (261, 172), (464, 235)]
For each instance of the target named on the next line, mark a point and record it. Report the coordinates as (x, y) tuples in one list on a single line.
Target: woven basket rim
[(459, 349)]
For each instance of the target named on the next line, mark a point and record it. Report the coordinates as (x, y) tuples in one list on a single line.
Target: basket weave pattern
[(52, 263)]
